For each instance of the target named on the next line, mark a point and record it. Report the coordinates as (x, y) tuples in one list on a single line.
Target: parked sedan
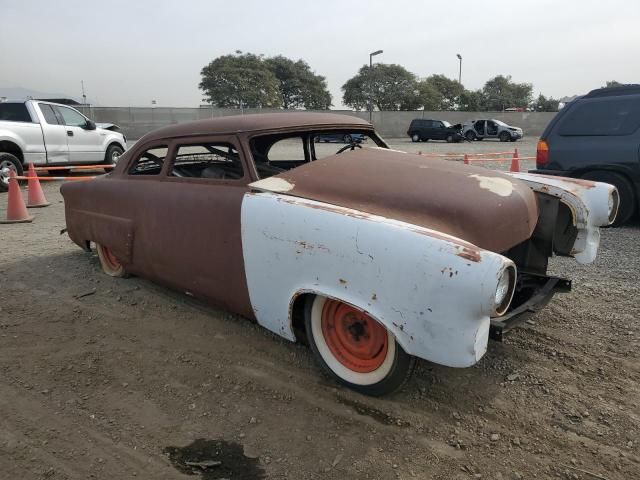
[(481, 129), (373, 256)]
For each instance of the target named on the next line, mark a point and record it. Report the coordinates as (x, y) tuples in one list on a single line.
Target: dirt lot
[(111, 378)]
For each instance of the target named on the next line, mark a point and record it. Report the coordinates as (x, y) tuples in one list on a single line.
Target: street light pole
[(460, 70), (371, 55)]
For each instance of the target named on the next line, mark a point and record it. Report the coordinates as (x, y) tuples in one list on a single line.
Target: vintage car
[(373, 256)]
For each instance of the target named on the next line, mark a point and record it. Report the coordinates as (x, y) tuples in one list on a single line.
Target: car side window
[(49, 115), (605, 117), (437, 124), (150, 161), (208, 161), (71, 117)]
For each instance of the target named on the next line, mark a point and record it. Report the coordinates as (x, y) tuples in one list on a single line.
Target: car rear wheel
[(415, 137), (627, 205), (110, 264), (470, 135), (355, 349), (505, 137), (9, 163)]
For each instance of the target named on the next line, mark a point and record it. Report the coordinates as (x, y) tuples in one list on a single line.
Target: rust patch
[(469, 254)]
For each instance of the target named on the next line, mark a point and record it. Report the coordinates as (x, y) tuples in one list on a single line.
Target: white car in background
[(51, 134)]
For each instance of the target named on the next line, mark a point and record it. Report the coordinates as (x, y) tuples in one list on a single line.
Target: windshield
[(446, 124), (501, 123), (277, 152)]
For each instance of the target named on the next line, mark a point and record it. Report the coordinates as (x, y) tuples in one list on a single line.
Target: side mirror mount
[(90, 125)]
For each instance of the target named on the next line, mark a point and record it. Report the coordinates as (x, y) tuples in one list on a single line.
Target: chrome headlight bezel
[(505, 289)]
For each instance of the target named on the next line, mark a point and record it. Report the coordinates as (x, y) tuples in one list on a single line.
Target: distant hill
[(17, 93)]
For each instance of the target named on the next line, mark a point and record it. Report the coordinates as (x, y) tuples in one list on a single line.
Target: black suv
[(423, 130), (597, 137)]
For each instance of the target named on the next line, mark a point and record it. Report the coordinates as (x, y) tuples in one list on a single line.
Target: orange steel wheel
[(355, 339)]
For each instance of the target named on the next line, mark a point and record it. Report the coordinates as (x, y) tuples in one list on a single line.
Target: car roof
[(256, 122), (630, 89)]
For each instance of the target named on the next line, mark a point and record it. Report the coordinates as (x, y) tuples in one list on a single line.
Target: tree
[(385, 86), (240, 80), (612, 83), (472, 101), (299, 87), (500, 93), (450, 91), (544, 104), (429, 96)]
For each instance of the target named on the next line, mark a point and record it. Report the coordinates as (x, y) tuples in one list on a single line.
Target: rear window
[(14, 112), (605, 117)]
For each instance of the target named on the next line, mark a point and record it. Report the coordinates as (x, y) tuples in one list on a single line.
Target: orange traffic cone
[(36, 196), (515, 162), (16, 209), (466, 159)]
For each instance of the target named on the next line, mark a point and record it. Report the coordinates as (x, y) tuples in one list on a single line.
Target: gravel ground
[(118, 378)]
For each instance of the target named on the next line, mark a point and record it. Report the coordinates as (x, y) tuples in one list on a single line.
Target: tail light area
[(542, 153)]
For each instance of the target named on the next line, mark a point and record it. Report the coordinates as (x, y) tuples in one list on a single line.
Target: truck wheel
[(113, 153), (354, 348), (9, 162), (110, 264), (627, 205), (505, 137), (470, 135), (415, 137)]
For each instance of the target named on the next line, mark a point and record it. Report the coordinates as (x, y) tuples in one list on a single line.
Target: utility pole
[(84, 97), (460, 69), (371, 55)]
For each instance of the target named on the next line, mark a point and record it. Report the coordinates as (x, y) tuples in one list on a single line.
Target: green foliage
[(544, 104), (299, 86), (472, 101), (241, 80), (430, 97), (613, 83), (247, 80), (385, 86), (500, 93), (449, 90)]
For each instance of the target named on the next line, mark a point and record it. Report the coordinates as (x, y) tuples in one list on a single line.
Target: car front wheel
[(113, 154), (505, 137), (470, 136), (449, 138), (355, 349)]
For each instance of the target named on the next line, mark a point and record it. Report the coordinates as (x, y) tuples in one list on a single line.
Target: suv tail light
[(542, 153)]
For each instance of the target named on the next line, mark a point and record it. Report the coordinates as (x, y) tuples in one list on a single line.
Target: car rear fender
[(435, 293), (592, 205)]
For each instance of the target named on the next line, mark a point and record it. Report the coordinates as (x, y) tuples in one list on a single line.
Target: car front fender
[(592, 204), (435, 293)]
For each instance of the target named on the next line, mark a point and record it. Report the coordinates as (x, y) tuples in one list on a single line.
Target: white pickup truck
[(50, 134)]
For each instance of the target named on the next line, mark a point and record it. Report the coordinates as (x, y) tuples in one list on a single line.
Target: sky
[(129, 53)]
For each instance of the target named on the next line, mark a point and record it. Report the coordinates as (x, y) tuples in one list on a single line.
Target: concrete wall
[(136, 121)]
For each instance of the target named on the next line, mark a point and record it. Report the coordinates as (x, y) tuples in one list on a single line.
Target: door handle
[(69, 133)]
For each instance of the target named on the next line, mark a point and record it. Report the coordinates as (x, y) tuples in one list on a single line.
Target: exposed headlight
[(504, 290), (614, 202)]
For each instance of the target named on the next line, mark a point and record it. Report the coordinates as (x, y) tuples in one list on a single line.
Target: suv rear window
[(14, 112), (606, 117)]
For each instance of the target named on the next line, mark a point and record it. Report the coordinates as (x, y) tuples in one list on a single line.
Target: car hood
[(486, 208)]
